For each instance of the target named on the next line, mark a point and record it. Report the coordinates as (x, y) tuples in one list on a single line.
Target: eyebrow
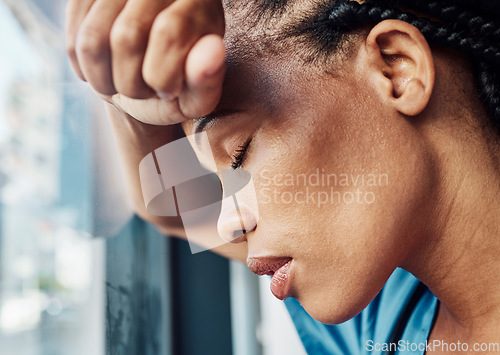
[(201, 124)]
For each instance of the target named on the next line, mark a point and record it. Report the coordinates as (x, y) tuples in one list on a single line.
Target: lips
[(278, 268)]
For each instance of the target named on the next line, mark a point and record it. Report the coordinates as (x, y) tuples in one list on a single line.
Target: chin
[(332, 312)]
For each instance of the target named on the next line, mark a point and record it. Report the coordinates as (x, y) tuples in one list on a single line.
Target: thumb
[(205, 69)]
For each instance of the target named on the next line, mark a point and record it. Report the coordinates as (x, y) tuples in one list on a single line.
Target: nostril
[(236, 221), (238, 233), (239, 239), (234, 227)]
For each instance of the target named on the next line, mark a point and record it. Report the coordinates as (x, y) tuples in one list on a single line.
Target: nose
[(239, 211), (235, 221)]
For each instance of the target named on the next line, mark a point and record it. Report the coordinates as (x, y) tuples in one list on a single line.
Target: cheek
[(341, 199)]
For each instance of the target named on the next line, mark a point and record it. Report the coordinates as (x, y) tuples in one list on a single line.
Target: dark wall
[(161, 299), (201, 307)]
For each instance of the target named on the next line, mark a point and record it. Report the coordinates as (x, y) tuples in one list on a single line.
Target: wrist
[(143, 136)]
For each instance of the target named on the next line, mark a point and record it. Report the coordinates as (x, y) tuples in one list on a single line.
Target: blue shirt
[(370, 331)]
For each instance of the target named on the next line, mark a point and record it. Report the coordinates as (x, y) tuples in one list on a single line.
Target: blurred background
[(79, 273)]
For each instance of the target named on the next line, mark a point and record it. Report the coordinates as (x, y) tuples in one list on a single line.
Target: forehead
[(249, 84)]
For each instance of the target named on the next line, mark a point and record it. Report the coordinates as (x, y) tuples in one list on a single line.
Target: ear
[(400, 63)]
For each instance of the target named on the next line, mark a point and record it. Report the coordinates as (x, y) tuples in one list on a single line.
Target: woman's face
[(340, 181)]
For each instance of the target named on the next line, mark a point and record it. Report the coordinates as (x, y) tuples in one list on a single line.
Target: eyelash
[(239, 156)]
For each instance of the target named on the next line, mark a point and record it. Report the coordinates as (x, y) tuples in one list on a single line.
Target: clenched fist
[(160, 61)]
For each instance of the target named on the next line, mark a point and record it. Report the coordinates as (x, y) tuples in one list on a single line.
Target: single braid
[(489, 84), (447, 24)]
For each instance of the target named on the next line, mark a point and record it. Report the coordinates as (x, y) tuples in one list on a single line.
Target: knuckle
[(71, 53), (151, 78), (128, 36), (173, 26), (70, 43), (133, 87), (130, 92), (125, 89), (71, 47), (91, 42), (163, 83)]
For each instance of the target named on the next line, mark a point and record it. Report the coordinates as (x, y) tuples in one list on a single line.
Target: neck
[(459, 259)]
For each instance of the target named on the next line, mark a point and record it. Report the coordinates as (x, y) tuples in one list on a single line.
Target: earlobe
[(414, 99), (402, 65)]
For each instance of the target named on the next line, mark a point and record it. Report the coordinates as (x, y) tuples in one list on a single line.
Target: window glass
[(51, 268)]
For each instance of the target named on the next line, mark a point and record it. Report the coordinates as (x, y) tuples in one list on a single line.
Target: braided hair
[(469, 26)]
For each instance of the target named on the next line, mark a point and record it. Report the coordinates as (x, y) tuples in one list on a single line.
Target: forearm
[(135, 140)]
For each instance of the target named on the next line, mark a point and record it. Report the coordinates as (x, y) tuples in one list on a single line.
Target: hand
[(160, 61)]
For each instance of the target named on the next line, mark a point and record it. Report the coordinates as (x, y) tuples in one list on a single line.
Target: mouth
[(277, 267)]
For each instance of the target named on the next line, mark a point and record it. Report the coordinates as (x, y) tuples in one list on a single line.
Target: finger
[(129, 40), (75, 13), (169, 43), (205, 69), (152, 111), (92, 45), (173, 34)]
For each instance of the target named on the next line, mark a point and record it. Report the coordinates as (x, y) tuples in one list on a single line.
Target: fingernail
[(165, 96)]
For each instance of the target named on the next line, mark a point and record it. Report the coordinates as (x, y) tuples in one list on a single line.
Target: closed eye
[(239, 156)]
